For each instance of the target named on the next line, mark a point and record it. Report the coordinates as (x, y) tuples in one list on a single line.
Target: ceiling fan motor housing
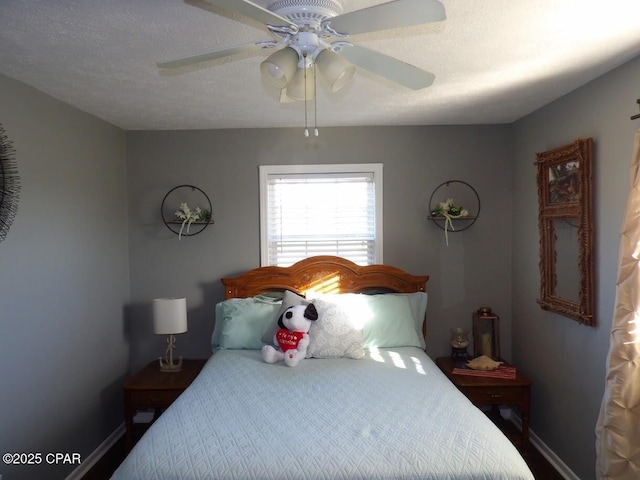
[(306, 12)]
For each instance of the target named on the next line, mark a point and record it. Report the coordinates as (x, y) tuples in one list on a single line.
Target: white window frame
[(358, 168)]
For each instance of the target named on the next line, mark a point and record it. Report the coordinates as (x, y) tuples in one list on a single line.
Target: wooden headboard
[(326, 274)]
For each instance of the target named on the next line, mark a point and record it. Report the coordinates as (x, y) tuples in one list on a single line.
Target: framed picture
[(564, 182)]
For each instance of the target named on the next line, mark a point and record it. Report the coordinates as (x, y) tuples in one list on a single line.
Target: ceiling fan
[(311, 35)]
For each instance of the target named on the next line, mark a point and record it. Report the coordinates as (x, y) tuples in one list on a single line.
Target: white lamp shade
[(334, 69), (280, 67), (296, 88), (169, 315)]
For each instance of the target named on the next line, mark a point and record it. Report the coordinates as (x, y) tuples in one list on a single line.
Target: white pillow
[(387, 320), (333, 335)]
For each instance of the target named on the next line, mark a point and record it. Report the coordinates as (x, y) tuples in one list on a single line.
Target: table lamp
[(169, 318)]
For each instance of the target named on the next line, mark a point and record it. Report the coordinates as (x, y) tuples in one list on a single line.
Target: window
[(308, 210)]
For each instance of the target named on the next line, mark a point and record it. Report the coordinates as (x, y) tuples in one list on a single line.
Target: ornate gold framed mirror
[(565, 222)]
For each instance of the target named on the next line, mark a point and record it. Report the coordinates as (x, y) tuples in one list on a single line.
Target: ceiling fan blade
[(253, 11), (395, 14), (388, 67), (205, 57)]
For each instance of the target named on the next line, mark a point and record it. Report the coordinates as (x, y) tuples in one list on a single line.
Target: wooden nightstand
[(493, 391), (151, 388)]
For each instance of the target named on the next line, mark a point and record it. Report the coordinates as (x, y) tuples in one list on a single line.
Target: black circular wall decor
[(197, 197), (9, 184), (469, 220)]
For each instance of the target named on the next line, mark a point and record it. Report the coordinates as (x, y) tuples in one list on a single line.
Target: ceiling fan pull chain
[(315, 101), (304, 65)]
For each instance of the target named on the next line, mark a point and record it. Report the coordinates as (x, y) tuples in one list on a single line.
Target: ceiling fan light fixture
[(296, 88), (334, 69), (280, 67)]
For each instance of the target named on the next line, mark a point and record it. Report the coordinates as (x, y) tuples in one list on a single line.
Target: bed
[(368, 404)]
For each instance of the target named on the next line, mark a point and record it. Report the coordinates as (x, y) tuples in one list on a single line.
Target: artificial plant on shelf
[(449, 210), (189, 216)]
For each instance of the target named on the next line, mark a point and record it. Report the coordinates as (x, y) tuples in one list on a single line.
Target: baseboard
[(97, 454), (545, 451)]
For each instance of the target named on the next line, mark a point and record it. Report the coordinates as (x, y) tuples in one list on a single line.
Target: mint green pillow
[(391, 322), (418, 302), (244, 321)]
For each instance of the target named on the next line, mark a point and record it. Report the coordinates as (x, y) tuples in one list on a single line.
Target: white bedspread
[(390, 415)]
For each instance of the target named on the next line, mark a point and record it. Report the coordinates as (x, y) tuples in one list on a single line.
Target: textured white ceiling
[(494, 60)]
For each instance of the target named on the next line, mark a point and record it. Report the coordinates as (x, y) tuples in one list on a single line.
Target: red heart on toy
[(288, 340)]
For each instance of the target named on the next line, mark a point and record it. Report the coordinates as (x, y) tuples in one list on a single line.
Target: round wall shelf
[(193, 197), (463, 194)]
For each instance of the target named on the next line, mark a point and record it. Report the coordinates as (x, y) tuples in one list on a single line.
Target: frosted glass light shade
[(169, 316), (334, 69), (280, 67), (296, 88)]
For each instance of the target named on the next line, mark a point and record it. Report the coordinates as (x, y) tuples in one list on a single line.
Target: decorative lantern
[(486, 333)]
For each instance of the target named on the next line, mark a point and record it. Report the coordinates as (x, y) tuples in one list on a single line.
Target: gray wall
[(474, 270), (63, 282), (565, 360), (73, 328)]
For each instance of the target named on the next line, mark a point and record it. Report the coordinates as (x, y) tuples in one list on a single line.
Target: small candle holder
[(459, 343), (486, 333)]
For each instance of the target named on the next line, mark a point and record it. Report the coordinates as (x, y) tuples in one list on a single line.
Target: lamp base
[(169, 366), (460, 354)]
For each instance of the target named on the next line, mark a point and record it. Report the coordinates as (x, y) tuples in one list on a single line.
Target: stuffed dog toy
[(293, 337)]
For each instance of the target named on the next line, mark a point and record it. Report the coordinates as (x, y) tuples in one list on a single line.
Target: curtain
[(618, 426)]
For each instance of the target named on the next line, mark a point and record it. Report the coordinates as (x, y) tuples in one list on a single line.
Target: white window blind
[(321, 210)]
